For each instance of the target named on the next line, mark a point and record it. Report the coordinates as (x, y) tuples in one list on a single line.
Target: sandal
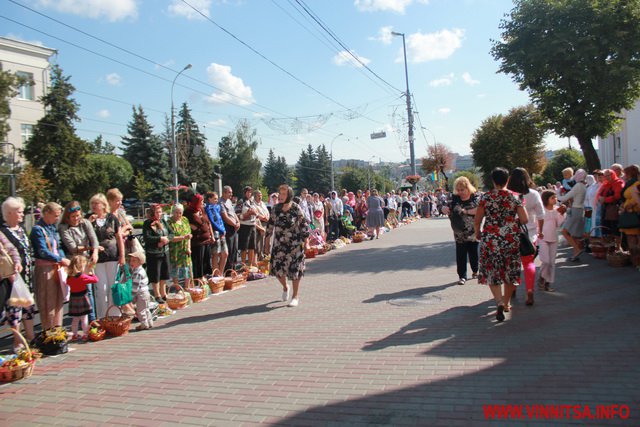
[(529, 298), (500, 313)]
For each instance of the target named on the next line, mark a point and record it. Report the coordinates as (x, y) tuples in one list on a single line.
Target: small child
[(548, 239), (79, 304), (567, 181), (140, 290)]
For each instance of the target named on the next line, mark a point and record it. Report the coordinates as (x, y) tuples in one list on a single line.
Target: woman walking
[(520, 182), (462, 211), (573, 229), (375, 215), (499, 240), (290, 230)]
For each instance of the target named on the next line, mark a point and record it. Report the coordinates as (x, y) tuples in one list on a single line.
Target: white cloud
[(179, 8), (444, 110), (13, 36), (481, 95), (344, 58), (217, 123), (112, 10), (104, 114), (114, 79), (429, 47), (384, 35), (234, 88), (469, 80), (442, 81), (261, 115), (397, 6)]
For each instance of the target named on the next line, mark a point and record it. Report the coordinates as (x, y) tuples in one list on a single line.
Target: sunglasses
[(74, 209)]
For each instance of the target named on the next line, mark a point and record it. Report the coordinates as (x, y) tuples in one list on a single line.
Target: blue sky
[(288, 77)]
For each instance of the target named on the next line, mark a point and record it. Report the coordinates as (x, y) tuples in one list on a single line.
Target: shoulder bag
[(526, 246), (121, 289), (7, 267)]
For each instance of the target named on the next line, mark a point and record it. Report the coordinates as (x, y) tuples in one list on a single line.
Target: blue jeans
[(92, 315)]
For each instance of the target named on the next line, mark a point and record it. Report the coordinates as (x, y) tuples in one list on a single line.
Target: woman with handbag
[(629, 221), (573, 228), (499, 240), (157, 235), (111, 252), (49, 257), (609, 197), (14, 231), (79, 238)]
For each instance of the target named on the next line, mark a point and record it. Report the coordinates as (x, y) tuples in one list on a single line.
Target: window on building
[(25, 91), (26, 132)]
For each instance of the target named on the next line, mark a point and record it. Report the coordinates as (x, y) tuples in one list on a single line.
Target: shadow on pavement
[(408, 293), (241, 311)]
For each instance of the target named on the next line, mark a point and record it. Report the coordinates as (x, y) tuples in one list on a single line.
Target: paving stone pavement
[(383, 336)]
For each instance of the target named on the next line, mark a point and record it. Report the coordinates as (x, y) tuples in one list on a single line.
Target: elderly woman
[(609, 196), (520, 182), (110, 251), (317, 207), (79, 238), (48, 255), (262, 217), (180, 247), (573, 228), (13, 215), (290, 230), (157, 235), (375, 214), (499, 240), (461, 211), (202, 237)]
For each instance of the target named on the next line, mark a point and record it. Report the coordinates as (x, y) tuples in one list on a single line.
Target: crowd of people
[(212, 234), (489, 227)]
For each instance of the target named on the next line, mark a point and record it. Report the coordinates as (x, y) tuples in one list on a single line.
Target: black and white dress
[(290, 229)]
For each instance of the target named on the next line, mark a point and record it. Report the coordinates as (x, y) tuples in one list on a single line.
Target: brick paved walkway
[(382, 336)]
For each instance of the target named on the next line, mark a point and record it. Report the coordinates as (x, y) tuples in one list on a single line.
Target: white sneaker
[(285, 295), (294, 302)]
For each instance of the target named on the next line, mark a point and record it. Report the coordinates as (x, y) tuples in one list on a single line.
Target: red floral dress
[(499, 240)]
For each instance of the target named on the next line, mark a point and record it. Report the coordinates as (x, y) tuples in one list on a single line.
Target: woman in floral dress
[(500, 240), (290, 230)]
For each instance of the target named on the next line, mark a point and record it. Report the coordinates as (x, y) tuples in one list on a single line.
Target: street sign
[(377, 135)]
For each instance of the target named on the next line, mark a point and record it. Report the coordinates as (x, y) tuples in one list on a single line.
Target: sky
[(289, 67)]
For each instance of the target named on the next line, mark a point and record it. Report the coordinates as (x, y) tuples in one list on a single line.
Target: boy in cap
[(140, 290)]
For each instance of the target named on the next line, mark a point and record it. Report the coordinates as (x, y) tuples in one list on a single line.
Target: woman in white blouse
[(573, 229)]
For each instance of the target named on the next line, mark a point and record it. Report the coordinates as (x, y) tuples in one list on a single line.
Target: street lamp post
[(174, 147), (409, 114), (334, 138)]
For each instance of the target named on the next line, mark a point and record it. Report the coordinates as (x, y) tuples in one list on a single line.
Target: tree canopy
[(514, 140), (238, 161), (579, 61), (276, 172), (194, 160), (565, 158), (9, 83)]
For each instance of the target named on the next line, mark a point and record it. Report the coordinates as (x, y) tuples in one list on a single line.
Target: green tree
[(472, 175), (276, 172), (54, 147), (99, 146), (564, 158), (107, 171), (579, 61), (32, 186), (142, 188), (353, 178), (514, 140), (323, 170), (238, 161), (194, 159), (145, 153), (306, 170)]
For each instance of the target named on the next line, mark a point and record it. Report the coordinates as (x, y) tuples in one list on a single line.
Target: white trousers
[(548, 252), (106, 273)]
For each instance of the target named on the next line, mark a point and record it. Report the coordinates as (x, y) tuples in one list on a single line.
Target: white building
[(622, 146), (32, 62)]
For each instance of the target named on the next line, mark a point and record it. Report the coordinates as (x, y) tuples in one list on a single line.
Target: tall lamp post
[(174, 146), (334, 138), (409, 114)]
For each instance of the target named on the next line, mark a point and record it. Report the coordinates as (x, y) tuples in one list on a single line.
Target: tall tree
[(439, 159), (579, 61), (306, 170), (323, 170), (238, 161), (9, 84), (99, 146), (353, 178), (32, 186), (54, 147), (276, 172), (146, 153), (107, 171), (514, 140), (194, 159)]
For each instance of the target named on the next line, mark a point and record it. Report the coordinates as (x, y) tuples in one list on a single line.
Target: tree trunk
[(590, 154)]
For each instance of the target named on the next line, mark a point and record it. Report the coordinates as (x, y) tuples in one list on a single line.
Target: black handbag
[(526, 246)]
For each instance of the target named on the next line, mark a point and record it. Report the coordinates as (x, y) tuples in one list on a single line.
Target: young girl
[(79, 305), (548, 239)]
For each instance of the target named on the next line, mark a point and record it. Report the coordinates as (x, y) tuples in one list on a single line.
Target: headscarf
[(590, 180), (195, 202), (580, 175)]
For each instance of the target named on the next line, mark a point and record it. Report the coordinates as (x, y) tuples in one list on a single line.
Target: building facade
[(622, 146), (30, 61)]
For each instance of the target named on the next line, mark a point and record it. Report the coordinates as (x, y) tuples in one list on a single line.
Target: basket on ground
[(197, 292), (96, 331), (116, 325), (20, 367), (601, 245), (618, 259), (359, 237), (177, 300), (233, 280), (310, 253)]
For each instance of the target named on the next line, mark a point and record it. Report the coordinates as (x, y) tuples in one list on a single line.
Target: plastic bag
[(121, 290), (62, 277), (20, 295)]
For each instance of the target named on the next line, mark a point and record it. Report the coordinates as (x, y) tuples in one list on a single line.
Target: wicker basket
[(100, 334), (233, 280), (15, 373), (198, 293), (116, 325), (618, 259), (175, 302), (359, 237), (310, 253)]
